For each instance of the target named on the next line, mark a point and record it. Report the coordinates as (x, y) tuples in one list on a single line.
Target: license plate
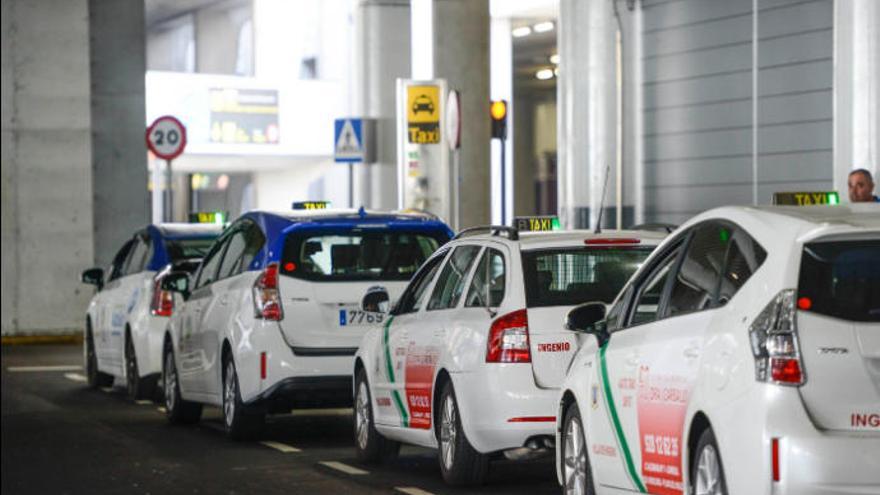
[(358, 317)]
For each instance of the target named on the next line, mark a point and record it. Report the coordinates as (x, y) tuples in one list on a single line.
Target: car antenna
[(602, 203)]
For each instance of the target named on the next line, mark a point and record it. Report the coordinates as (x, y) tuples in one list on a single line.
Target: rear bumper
[(502, 408), (303, 392)]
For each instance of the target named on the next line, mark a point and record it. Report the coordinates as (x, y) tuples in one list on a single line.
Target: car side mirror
[(376, 300), (176, 282), (93, 276), (588, 318)]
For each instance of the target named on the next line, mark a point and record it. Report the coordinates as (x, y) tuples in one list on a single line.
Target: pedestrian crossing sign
[(349, 141)]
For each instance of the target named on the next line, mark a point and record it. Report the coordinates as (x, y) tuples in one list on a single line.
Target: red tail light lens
[(774, 458), (509, 339), (775, 344), (611, 242), (267, 298), (162, 302), (786, 370)]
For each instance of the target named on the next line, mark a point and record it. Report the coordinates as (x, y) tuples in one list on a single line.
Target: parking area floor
[(60, 437)]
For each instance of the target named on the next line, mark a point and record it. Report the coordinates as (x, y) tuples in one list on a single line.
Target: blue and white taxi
[(471, 356), (272, 320), (126, 318), (743, 357)]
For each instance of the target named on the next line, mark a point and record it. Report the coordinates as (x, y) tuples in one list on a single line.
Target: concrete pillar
[(856, 89), (381, 56), (587, 110), (46, 166), (461, 56), (119, 157)]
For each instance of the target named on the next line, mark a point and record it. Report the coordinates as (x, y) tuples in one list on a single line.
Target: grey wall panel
[(697, 101)]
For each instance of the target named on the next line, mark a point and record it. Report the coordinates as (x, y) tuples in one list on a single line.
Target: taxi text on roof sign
[(215, 217), (311, 205), (536, 224), (806, 198), (423, 114)]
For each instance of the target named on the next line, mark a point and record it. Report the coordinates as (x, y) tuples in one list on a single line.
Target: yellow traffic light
[(498, 110)]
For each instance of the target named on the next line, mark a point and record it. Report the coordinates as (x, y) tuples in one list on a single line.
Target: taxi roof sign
[(310, 205), (806, 198), (214, 217), (544, 223)]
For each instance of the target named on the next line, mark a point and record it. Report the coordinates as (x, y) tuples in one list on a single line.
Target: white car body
[(303, 358), (504, 406), (122, 307), (647, 396)]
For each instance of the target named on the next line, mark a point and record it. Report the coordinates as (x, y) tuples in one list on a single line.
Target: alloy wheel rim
[(170, 382), (362, 416), (575, 460), (708, 472), (448, 432), (229, 394)]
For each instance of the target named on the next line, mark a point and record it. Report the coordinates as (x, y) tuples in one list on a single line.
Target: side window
[(208, 272), (490, 277), (137, 259), (450, 285), (614, 318), (232, 259), (254, 241), (119, 260), (646, 306), (744, 256), (697, 279), (415, 292)]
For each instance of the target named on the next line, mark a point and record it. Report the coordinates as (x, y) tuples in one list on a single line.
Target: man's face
[(860, 188)]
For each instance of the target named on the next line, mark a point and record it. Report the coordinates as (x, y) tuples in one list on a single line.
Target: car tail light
[(774, 458), (267, 298), (509, 339), (774, 339), (611, 242), (162, 302)]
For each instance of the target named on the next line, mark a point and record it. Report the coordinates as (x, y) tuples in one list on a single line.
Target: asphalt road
[(60, 437)]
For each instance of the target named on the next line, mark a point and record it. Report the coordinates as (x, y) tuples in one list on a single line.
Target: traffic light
[(498, 112)]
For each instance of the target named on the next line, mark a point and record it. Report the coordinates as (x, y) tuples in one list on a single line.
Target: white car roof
[(564, 238)]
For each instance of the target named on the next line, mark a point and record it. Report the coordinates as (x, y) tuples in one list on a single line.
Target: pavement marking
[(281, 447), (107, 390), (411, 490), (161, 409), (76, 377), (29, 369), (345, 468), (143, 402), (343, 411)]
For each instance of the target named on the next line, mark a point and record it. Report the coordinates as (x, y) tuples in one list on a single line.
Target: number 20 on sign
[(166, 137)]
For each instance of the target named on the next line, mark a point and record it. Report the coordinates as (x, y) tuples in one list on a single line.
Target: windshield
[(353, 256), (565, 277), (184, 249), (842, 279)]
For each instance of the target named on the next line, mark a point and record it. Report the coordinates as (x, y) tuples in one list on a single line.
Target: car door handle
[(691, 352)]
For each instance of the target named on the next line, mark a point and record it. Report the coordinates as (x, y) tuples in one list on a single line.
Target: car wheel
[(707, 472), (241, 422), (137, 387), (460, 463), (370, 445), (577, 478), (96, 379), (177, 410)]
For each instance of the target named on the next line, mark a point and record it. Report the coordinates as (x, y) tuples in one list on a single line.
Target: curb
[(41, 339)]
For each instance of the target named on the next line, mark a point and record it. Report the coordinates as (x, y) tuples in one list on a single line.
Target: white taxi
[(471, 356), (126, 318), (272, 321), (743, 357)]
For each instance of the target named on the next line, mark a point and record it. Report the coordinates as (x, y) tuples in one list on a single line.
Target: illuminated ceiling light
[(554, 59), (543, 27), (556, 71), (544, 74), (521, 31)]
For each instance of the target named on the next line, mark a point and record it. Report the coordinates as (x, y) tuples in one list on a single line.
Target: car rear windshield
[(564, 277), (183, 249), (842, 279), (350, 256)]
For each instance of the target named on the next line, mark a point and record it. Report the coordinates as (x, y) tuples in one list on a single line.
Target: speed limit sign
[(166, 137)]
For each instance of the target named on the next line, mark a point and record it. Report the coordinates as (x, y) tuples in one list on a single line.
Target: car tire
[(460, 463), (577, 477), (707, 471), (240, 421), (96, 378), (177, 410), (370, 446), (137, 388)]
